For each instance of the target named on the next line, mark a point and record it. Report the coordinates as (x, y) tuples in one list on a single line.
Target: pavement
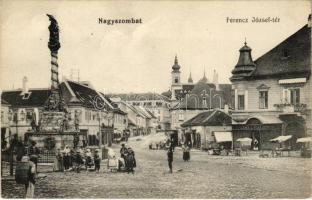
[(205, 176)]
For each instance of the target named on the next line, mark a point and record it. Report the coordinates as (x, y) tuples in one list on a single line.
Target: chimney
[(25, 87), (309, 21)]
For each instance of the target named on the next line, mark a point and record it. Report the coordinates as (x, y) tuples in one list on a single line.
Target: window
[(176, 80), (291, 96), (181, 117), (26, 95), (29, 115), (295, 96), (241, 102), (263, 99), (2, 116)]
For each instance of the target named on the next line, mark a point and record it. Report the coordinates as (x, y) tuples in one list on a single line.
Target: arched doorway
[(255, 134), (297, 130)]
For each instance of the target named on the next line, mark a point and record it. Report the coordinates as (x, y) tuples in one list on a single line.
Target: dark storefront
[(258, 132)]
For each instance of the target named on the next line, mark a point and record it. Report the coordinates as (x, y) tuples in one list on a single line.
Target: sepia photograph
[(143, 99)]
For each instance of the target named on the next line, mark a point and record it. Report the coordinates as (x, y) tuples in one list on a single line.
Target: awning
[(305, 139), (223, 137), (244, 141), (292, 80), (281, 138)]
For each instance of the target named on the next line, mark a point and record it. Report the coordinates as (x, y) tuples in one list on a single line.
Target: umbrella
[(282, 138), (304, 140), (246, 139)]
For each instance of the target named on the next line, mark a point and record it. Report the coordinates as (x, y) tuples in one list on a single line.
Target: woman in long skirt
[(184, 149), (58, 161), (188, 156)]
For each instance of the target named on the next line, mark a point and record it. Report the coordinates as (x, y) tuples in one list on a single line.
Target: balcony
[(291, 108)]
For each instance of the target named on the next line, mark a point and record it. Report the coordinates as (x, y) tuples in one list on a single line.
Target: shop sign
[(254, 127)]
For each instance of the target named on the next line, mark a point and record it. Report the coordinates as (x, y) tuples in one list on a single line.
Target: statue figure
[(54, 43)]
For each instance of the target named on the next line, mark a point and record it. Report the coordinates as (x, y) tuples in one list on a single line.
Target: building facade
[(189, 99), (273, 93), (28, 106), (153, 102)]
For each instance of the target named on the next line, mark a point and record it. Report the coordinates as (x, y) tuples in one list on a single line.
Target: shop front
[(260, 132)]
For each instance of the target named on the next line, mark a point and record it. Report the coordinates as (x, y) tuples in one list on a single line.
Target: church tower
[(175, 78)]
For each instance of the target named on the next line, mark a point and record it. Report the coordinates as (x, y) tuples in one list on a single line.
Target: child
[(97, 160)]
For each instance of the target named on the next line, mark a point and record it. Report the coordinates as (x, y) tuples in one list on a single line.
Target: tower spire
[(176, 59), (245, 64), (190, 80), (176, 66), (204, 79)]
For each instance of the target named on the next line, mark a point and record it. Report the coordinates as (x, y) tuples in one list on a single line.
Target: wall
[(187, 114), (274, 93)]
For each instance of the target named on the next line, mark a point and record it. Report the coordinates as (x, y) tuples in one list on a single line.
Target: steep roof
[(36, 98), (87, 95), (140, 96), (290, 58), (209, 118), (118, 111)]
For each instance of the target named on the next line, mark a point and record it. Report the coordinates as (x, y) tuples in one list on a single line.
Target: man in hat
[(34, 153), (170, 159)]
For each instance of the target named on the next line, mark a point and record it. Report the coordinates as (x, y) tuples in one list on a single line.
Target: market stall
[(243, 145), (306, 150), (224, 141), (283, 146)]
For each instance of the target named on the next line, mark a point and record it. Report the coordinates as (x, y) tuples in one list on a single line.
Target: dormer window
[(285, 53), (26, 95)]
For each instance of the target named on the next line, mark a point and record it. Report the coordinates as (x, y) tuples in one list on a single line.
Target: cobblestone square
[(205, 176)]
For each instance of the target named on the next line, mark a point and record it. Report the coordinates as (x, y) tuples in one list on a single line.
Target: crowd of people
[(127, 154), (73, 159)]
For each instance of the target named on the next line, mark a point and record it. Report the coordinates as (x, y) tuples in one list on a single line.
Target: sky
[(124, 58)]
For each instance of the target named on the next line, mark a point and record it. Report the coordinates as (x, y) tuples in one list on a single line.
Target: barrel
[(22, 172)]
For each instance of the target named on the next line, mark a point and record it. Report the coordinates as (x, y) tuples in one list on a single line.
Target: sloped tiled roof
[(140, 96), (87, 95), (289, 58), (209, 118), (37, 97)]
